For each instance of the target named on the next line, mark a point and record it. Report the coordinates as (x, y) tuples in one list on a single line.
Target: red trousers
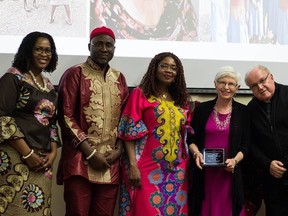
[(84, 198)]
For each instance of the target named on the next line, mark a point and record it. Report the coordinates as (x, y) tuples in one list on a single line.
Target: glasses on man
[(261, 82), (100, 45), (40, 50), (172, 68), (231, 85)]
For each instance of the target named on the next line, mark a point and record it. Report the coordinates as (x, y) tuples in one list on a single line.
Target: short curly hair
[(177, 89), (24, 55)]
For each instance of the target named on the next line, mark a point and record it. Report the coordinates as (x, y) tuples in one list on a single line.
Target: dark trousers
[(84, 198), (275, 197)]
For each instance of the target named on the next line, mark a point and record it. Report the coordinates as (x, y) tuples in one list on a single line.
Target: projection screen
[(205, 34)]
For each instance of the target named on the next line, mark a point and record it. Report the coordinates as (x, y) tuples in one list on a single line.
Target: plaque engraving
[(214, 157)]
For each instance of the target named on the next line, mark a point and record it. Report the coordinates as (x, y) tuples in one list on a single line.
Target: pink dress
[(218, 182), (157, 128)]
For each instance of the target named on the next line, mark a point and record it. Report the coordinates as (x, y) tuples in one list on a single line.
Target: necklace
[(221, 125), (164, 95), (44, 88)]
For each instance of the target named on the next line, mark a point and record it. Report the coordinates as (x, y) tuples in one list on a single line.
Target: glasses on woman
[(167, 67), (231, 85), (260, 83), (40, 50)]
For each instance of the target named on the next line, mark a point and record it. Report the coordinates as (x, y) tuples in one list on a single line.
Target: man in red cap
[(91, 97)]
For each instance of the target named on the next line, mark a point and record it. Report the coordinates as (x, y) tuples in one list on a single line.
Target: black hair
[(177, 89), (24, 55)]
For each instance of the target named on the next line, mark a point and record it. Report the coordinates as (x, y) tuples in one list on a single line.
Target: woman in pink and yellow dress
[(153, 125)]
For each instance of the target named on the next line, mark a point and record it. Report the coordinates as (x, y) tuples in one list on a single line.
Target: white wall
[(198, 73)]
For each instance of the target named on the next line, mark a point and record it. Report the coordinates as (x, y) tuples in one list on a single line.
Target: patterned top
[(26, 112)]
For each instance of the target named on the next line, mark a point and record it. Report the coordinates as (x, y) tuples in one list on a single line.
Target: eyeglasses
[(100, 45), (40, 50), (231, 85), (172, 68), (261, 82)]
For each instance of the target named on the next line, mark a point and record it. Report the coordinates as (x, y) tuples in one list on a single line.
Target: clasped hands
[(103, 161), (38, 163)]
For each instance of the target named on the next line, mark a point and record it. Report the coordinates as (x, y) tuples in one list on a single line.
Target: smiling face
[(166, 71), (261, 83), (102, 49), (226, 87), (41, 55)]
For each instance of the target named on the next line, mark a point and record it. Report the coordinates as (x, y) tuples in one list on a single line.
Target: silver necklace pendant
[(221, 125)]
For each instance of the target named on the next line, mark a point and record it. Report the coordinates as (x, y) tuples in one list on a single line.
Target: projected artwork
[(235, 21), (147, 20), (60, 18), (205, 34), (153, 26)]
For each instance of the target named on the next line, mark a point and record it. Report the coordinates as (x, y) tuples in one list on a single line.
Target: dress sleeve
[(191, 136), (124, 90), (131, 125), (9, 89), (68, 103)]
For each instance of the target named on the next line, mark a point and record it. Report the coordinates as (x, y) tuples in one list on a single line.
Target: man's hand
[(98, 162), (276, 169), (112, 156)]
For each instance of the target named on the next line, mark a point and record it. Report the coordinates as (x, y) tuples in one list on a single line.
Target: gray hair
[(228, 71), (260, 67)]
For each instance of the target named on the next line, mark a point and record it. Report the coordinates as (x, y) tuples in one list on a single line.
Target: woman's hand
[(198, 157), (134, 176), (230, 164), (48, 160), (35, 162)]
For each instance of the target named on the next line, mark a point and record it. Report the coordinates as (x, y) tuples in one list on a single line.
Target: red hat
[(102, 31)]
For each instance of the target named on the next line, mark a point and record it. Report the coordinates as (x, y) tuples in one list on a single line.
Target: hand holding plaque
[(214, 157)]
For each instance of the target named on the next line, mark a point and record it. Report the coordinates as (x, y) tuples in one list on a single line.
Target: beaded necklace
[(221, 125), (44, 88)]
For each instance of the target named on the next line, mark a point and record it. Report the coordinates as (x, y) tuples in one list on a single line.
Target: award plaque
[(214, 157)]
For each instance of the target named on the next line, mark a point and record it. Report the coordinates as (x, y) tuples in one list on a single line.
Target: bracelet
[(236, 162), (92, 153), (194, 154), (28, 155)]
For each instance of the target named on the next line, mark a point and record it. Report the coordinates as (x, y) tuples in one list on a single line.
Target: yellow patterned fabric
[(170, 120)]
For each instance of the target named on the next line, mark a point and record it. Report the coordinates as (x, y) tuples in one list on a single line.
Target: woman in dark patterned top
[(28, 131)]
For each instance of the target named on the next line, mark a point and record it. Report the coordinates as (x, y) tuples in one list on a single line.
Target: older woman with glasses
[(28, 130), (153, 126), (218, 145)]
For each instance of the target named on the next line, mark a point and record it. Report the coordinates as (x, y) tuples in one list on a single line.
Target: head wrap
[(102, 31)]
